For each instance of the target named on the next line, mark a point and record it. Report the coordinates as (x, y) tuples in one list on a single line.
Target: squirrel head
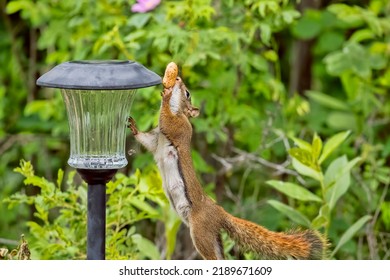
[(181, 100)]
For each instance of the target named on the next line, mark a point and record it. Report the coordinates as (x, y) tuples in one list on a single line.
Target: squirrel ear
[(194, 112)]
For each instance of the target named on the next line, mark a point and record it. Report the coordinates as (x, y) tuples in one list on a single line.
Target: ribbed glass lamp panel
[(97, 121)]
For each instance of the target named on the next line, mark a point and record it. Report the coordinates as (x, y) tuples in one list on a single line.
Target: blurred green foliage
[(242, 61)]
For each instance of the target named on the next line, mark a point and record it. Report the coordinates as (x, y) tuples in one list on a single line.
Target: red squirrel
[(170, 143)]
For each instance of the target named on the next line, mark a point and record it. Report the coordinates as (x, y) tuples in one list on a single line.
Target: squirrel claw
[(129, 121), (167, 93), (131, 124)]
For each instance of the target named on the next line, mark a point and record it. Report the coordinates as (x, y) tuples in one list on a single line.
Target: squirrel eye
[(188, 95)]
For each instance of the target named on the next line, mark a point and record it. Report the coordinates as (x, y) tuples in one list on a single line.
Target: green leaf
[(359, 66), (334, 171), (16, 6), (385, 214), (172, 224), (351, 164), (348, 14), (341, 121), (26, 169), (265, 33), (139, 20), (302, 155), (36, 181), (83, 195), (338, 187), (69, 180), (290, 15), (316, 146), (60, 177), (337, 179), (294, 191), (268, 7), (322, 219), (329, 41), (142, 205), (332, 144), (349, 59), (336, 63), (270, 55), (37, 229), (306, 170), (290, 212), (309, 26), (327, 101), (351, 85), (302, 144), (199, 163), (113, 185), (351, 232), (146, 247), (43, 108), (362, 35), (373, 22)]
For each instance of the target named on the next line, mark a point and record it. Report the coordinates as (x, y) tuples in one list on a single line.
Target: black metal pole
[(96, 227)]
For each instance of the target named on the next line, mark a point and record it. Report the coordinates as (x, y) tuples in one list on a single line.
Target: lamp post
[(98, 96)]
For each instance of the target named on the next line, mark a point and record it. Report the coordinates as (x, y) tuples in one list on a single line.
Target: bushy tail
[(307, 244)]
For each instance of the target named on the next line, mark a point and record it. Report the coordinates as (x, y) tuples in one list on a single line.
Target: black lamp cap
[(99, 75)]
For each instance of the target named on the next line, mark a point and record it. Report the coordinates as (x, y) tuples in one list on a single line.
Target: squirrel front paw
[(166, 94), (131, 124)]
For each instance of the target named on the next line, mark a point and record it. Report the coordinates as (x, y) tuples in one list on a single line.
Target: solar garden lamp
[(98, 97)]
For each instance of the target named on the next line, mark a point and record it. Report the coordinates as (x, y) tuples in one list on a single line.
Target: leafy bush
[(308, 160), (59, 231)]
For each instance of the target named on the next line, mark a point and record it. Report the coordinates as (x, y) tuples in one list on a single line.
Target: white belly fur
[(166, 158)]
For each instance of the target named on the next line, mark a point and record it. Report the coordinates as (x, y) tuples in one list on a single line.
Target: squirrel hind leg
[(208, 246)]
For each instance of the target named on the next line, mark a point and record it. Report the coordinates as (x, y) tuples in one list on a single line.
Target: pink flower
[(143, 6)]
